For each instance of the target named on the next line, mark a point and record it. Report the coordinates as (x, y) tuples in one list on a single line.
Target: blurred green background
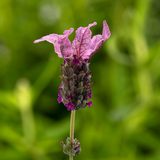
[(124, 120)]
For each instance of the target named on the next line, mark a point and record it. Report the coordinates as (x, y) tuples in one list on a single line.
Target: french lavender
[(75, 89)]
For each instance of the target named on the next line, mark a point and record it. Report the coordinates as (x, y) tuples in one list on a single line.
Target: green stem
[(72, 128)]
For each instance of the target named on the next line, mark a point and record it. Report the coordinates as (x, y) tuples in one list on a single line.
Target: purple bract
[(82, 47)]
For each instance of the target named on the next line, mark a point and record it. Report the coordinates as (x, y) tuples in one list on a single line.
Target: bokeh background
[(124, 120)]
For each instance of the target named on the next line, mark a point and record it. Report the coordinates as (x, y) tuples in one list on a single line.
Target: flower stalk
[(72, 121)]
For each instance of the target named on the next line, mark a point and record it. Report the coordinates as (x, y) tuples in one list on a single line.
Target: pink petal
[(96, 44), (98, 40), (61, 43), (81, 43), (106, 32)]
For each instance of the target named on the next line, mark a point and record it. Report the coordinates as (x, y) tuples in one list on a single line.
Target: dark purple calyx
[(76, 84)]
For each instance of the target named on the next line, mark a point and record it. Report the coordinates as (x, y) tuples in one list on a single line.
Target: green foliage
[(123, 123)]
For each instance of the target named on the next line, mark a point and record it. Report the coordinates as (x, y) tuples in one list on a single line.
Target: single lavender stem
[(72, 128)]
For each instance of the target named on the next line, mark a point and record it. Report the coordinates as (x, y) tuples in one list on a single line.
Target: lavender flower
[(69, 106), (75, 89)]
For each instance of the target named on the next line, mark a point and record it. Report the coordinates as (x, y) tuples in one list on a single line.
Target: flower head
[(75, 89)]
